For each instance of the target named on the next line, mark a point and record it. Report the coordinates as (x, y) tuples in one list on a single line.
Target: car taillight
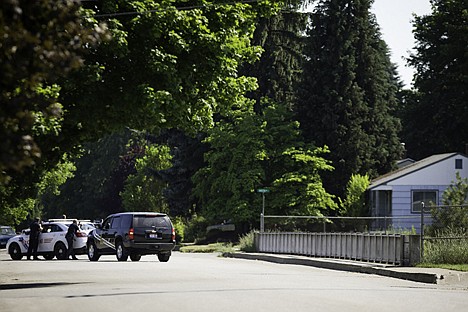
[(131, 233), (173, 234)]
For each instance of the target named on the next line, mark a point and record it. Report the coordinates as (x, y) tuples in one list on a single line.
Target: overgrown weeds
[(447, 247), (247, 242)]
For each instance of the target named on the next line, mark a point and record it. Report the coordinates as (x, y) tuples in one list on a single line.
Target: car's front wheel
[(93, 254), (120, 252), (60, 251), (15, 252)]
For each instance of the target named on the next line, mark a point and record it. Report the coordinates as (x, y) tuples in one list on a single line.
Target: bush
[(195, 231), (179, 227), (247, 242)]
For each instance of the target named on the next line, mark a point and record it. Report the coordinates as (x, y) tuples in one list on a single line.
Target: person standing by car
[(34, 231), (72, 229)]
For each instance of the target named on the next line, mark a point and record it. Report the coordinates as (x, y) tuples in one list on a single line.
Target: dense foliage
[(348, 92), (42, 41), (435, 119), (163, 67), (255, 151), (190, 107)]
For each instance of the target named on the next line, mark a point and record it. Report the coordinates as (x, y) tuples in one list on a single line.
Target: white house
[(399, 194)]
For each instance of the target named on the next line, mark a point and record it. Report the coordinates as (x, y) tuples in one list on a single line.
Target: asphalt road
[(206, 282)]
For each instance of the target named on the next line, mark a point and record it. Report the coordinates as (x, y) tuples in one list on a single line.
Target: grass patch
[(217, 247), (455, 267)]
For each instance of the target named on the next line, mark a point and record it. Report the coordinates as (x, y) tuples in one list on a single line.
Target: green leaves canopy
[(254, 151), (42, 41), (165, 67)]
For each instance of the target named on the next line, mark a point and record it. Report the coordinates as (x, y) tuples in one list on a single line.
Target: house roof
[(412, 168), (405, 162)]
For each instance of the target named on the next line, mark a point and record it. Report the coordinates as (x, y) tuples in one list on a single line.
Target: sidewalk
[(422, 275)]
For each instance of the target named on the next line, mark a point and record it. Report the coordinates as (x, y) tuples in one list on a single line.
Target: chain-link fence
[(409, 224)]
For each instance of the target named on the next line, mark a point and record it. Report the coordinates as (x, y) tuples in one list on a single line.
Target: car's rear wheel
[(60, 251), (120, 251), (164, 257), (15, 252), (135, 257), (93, 253)]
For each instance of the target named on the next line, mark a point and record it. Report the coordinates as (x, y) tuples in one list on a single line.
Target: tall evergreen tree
[(279, 68), (435, 118), (187, 158), (349, 92)]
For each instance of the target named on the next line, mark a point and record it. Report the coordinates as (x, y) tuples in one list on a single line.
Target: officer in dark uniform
[(72, 229), (34, 231)]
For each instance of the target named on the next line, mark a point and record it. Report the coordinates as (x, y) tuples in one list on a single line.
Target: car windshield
[(150, 221), (7, 231)]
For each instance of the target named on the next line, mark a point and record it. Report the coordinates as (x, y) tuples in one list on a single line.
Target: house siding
[(428, 175), (402, 202)]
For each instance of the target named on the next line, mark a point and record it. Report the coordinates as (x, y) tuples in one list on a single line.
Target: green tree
[(279, 69), (437, 119), (454, 214), (101, 172), (348, 93), (165, 67), (252, 151), (225, 187), (49, 186), (12, 212), (354, 204), (143, 191), (187, 158), (42, 41)]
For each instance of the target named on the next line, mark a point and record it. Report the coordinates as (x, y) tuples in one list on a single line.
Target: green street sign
[(263, 190)]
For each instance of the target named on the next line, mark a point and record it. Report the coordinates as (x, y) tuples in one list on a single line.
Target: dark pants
[(32, 248), (70, 251)]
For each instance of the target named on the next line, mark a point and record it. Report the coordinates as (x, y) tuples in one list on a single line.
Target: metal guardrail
[(379, 248)]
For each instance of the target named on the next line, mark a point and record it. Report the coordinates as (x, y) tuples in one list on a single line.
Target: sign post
[(262, 216)]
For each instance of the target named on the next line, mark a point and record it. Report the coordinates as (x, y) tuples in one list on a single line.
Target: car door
[(47, 237), (109, 231), (100, 234)]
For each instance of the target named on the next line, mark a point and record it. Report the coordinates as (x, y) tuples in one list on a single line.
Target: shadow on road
[(33, 285)]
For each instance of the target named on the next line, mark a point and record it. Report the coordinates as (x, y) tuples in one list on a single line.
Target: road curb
[(333, 264)]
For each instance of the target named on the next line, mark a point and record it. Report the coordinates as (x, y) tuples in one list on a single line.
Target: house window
[(428, 197), (458, 163)]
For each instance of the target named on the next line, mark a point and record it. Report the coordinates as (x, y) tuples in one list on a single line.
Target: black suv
[(132, 234)]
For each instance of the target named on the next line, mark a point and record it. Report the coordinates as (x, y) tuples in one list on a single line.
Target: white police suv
[(52, 241)]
